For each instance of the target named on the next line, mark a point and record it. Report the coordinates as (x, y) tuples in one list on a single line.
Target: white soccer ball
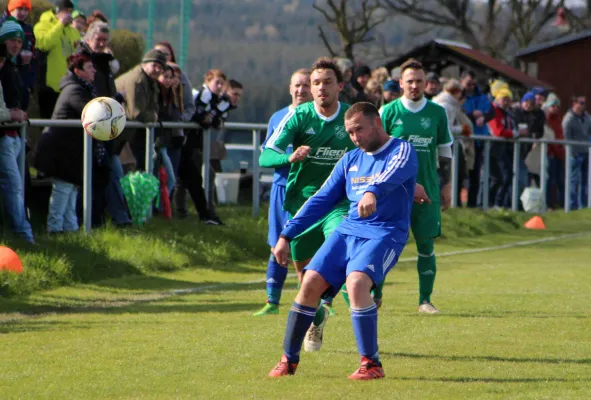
[(103, 118)]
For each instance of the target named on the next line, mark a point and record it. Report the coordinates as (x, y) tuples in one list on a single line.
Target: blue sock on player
[(276, 275), (298, 321), (365, 326)]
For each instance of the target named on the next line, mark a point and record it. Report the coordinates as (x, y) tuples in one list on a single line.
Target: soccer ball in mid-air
[(103, 118)]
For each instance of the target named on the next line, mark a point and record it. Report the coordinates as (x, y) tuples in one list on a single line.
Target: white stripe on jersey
[(278, 131), (398, 161)]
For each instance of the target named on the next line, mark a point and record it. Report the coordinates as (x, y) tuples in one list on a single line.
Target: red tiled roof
[(500, 67), (435, 51)]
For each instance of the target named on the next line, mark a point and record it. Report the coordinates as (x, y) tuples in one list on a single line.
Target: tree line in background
[(260, 42)]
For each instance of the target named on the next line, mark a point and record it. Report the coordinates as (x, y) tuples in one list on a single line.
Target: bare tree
[(355, 22), (490, 26)]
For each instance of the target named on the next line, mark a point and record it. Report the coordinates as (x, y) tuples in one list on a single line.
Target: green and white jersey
[(424, 125), (328, 141)]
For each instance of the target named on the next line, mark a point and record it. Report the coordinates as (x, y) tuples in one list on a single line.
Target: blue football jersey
[(389, 173), (280, 175)]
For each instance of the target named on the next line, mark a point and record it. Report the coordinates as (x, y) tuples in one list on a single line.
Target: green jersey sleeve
[(444, 135), (269, 158)]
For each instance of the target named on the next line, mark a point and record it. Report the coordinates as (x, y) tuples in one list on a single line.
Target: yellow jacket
[(59, 42)]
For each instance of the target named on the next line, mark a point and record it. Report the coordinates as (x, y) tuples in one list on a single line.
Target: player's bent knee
[(359, 285), (313, 285)]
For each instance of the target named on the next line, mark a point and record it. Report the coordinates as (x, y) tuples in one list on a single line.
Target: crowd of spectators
[(66, 60), (490, 108)]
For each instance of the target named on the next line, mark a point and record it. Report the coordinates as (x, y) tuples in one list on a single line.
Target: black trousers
[(190, 178), (47, 98)]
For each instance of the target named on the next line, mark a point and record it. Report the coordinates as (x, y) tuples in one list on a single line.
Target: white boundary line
[(407, 259)]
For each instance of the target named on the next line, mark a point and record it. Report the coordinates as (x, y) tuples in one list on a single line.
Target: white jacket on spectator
[(457, 119)]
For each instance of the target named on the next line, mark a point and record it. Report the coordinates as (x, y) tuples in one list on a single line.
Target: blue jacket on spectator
[(478, 101)]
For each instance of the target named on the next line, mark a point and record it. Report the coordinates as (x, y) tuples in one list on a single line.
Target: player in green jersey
[(317, 132), (424, 124)]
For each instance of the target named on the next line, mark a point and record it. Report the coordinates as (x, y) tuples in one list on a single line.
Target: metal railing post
[(150, 159), (567, 173), (23, 154), (455, 173), (486, 176), (149, 150), (515, 186), (544, 175), (206, 164), (87, 183), (256, 193), (589, 178)]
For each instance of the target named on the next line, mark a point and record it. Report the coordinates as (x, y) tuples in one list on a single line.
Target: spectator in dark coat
[(478, 108), (19, 10), (60, 153), (11, 182), (532, 119), (96, 46)]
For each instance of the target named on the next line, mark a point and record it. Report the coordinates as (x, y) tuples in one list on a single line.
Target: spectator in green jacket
[(57, 38)]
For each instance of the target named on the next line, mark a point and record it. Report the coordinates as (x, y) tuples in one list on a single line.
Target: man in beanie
[(57, 38), (433, 86), (533, 120), (19, 10), (140, 88), (392, 91), (556, 152), (11, 183)]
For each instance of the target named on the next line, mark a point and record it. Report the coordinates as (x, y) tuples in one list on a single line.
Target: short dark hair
[(466, 74), (234, 84), (327, 63), (77, 61), (577, 97), (368, 110), (411, 63)]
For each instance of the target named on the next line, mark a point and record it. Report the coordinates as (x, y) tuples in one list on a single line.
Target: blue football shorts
[(342, 254), (278, 217)]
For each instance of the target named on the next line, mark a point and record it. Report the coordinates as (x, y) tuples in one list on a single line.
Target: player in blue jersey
[(299, 88), (378, 178)]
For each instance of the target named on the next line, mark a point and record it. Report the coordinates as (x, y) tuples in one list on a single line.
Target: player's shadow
[(470, 379), (505, 314), (583, 361)]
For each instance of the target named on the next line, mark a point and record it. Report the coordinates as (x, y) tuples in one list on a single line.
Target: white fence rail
[(255, 147), (255, 130), (488, 140)]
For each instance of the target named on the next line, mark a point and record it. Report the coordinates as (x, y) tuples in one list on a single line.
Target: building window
[(532, 69)]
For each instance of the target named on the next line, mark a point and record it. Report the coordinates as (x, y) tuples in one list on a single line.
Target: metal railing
[(255, 129), (485, 173), (255, 147)]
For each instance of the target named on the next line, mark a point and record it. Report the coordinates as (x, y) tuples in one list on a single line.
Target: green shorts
[(306, 244), (425, 221)]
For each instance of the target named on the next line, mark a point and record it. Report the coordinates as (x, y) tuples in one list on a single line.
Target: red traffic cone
[(535, 223)]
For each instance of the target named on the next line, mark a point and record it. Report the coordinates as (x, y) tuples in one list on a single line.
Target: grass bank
[(166, 246)]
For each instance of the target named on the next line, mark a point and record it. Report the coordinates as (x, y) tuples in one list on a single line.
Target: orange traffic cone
[(535, 223)]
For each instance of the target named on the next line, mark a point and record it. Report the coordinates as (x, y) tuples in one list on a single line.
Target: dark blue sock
[(365, 326), (276, 275), (298, 321)]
